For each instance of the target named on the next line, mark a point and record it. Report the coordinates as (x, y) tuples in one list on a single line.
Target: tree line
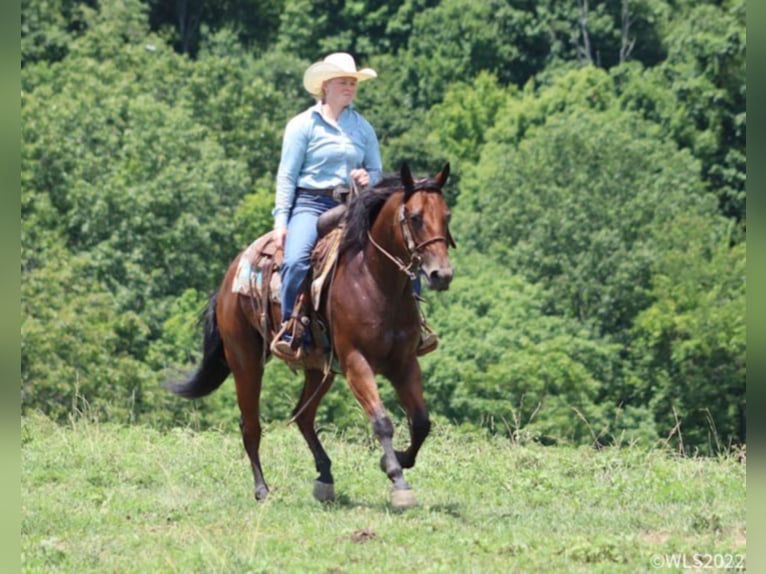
[(598, 153)]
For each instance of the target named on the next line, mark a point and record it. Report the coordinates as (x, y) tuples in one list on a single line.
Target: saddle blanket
[(261, 260)]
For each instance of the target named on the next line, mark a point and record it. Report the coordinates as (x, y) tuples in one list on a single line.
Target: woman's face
[(340, 90)]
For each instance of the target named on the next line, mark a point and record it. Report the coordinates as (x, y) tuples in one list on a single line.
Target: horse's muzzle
[(440, 278)]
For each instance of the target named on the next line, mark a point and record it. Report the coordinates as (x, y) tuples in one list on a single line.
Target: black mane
[(363, 210)]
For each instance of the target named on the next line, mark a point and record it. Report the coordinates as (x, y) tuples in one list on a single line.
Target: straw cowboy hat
[(337, 65)]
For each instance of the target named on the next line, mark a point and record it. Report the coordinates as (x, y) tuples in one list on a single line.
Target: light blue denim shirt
[(317, 154)]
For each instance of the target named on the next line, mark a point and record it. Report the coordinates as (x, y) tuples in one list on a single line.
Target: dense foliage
[(598, 152)]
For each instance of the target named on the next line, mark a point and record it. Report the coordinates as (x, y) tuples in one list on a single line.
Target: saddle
[(262, 259), (257, 277)]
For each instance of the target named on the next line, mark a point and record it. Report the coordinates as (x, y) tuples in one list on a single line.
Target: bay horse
[(393, 232)]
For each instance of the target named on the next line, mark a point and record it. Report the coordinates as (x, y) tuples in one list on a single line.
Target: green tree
[(460, 123), (505, 364), (243, 111), (127, 201), (697, 94), (152, 211), (689, 345), (77, 354), (588, 202), (706, 70), (598, 291), (187, 22), (454, 41), (452, 131), (46, 29), (583, 201)]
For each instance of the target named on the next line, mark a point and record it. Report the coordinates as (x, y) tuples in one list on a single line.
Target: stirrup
[(429, 340), (283, 348)]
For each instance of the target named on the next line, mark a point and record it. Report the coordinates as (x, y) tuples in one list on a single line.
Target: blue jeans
[(301, 238)]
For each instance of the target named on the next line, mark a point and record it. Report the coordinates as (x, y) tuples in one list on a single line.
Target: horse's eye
[(417, 220)]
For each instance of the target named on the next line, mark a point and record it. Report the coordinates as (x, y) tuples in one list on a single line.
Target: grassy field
[(101, 498)]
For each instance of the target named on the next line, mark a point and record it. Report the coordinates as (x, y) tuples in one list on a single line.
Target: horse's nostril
[(440, 278), (441, 274)]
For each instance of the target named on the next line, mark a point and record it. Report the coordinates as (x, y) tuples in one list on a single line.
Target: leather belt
[(327, 192)]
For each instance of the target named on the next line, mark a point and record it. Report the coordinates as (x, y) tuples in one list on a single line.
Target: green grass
[(102, 498)]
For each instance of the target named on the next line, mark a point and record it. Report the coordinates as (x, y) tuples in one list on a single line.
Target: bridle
[(414, 250)]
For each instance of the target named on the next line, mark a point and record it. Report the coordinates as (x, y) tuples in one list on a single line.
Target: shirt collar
[(317, 109)]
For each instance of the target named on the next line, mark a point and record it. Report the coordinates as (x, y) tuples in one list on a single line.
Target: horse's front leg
[(409, 386), (361, 379), (389, 462)]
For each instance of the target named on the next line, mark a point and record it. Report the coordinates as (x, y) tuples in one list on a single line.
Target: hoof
[(261, 493), (403, 498), (323, 491)]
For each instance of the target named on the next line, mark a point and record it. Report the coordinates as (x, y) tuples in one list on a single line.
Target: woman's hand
[(360, 177), (279, 236)]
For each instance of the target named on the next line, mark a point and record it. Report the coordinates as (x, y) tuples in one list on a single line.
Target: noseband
[(413, 249)]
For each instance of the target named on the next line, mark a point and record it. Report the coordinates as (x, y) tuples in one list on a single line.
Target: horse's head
[(424, 217)]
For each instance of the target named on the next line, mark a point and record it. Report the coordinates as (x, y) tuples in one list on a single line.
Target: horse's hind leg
[(315, 387), (244, 347), (248, 382)]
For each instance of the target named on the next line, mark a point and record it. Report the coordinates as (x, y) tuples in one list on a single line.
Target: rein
[(406, 269)]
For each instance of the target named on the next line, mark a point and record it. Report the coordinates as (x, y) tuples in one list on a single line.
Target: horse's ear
[(450, 240), (407, 182), (441, 177)]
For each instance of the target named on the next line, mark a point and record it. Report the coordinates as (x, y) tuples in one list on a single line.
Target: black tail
[(213, 370)]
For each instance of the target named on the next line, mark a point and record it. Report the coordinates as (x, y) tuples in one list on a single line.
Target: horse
[(393, 232)]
